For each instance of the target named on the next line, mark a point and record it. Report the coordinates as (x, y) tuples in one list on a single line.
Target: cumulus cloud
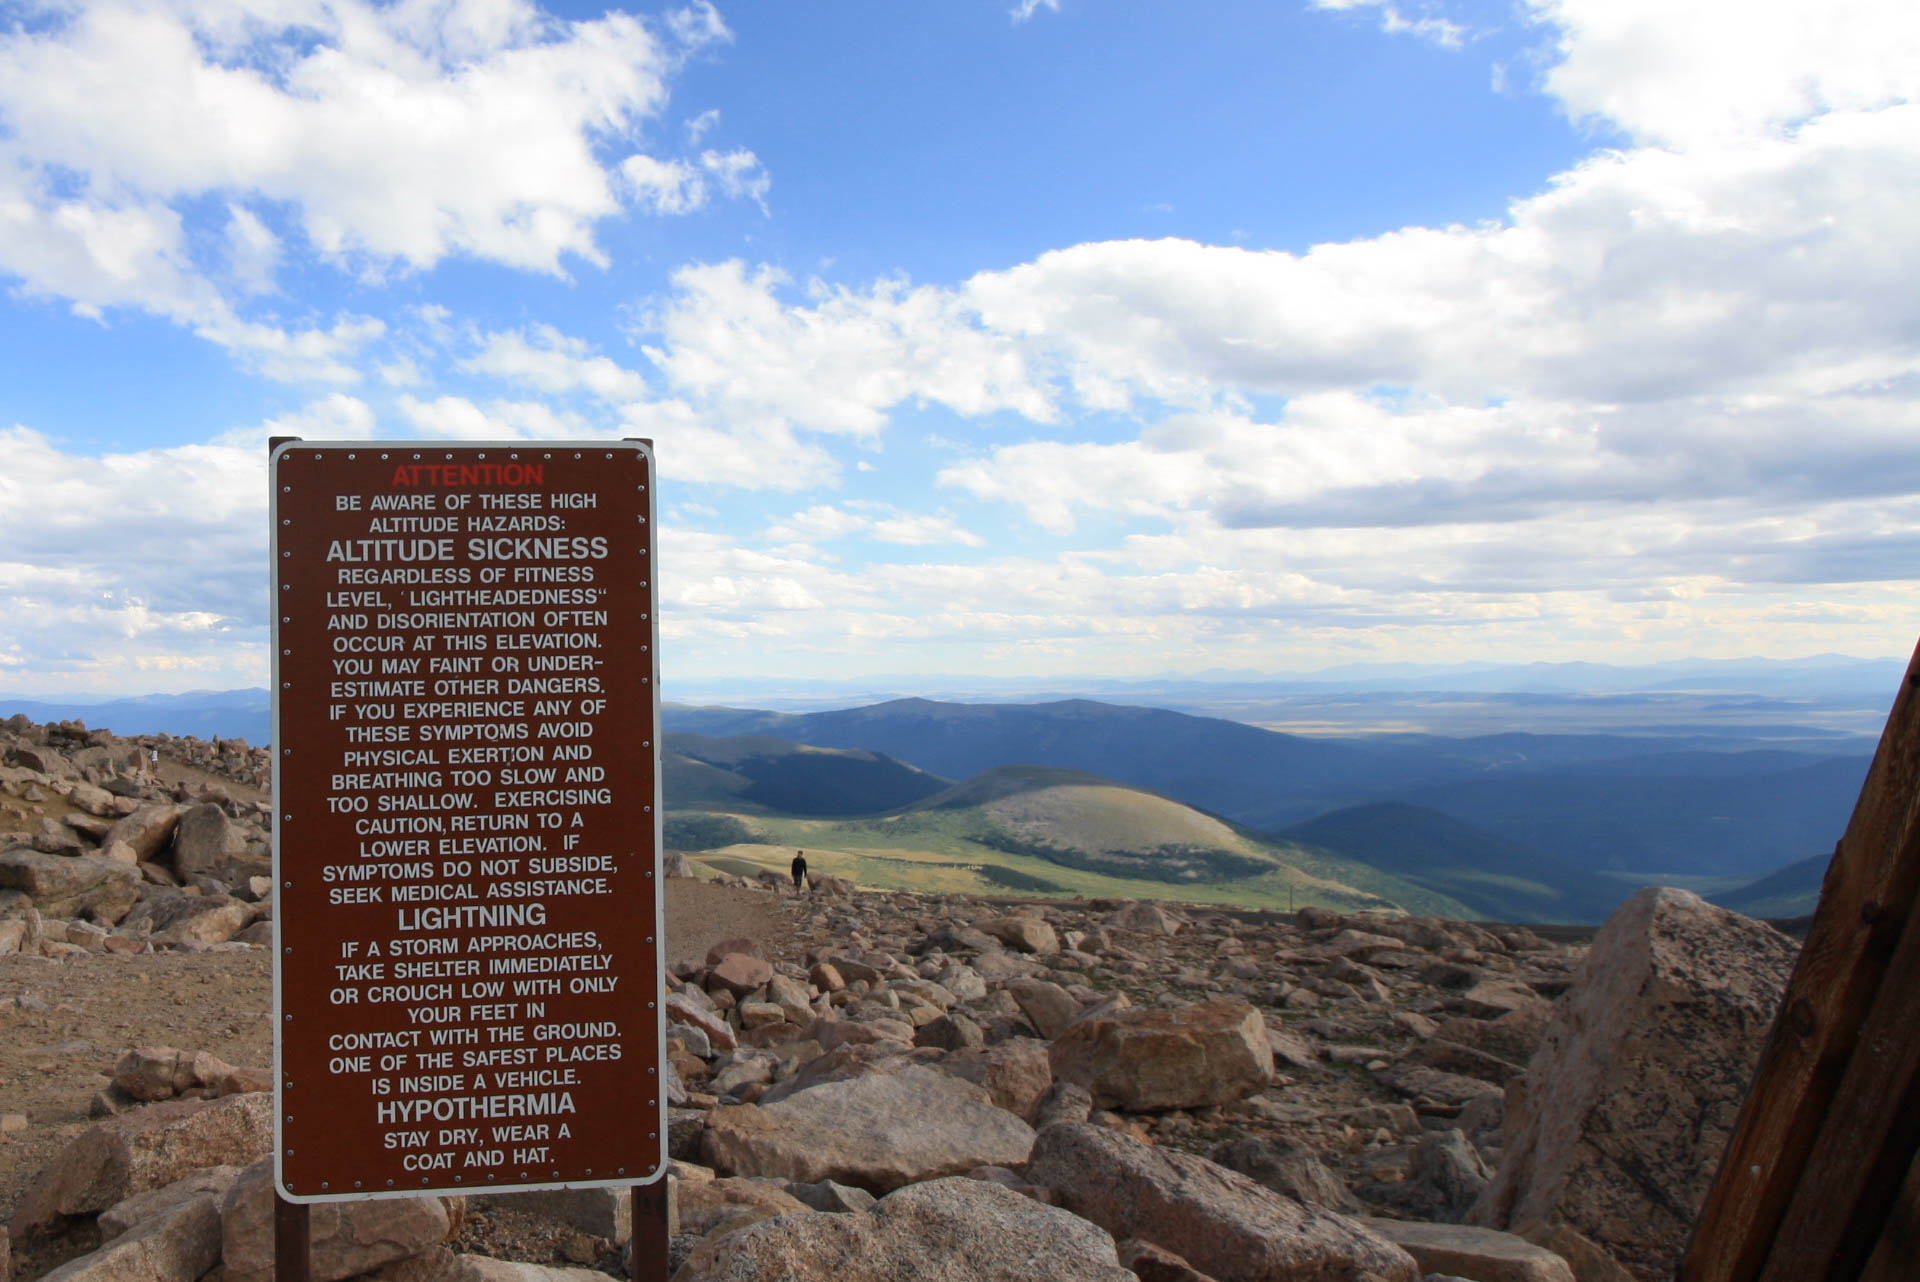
[(1691, 74), (380, 138), (142, 562), (544, 358), (826, 522)]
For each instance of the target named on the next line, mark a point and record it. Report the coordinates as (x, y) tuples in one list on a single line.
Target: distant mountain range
[(1527, 826), (203, 714), (1665, 807)]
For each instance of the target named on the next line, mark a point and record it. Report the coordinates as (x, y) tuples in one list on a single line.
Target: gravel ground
[(64, 1023)]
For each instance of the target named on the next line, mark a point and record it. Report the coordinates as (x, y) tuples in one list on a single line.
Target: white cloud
[(135, 567), (1692, 73), (681, 186), (253, 251), (725, 339), (337, 417), (550, 361), (381, 138), (825, 522), (1426, 25), (1025, 9)]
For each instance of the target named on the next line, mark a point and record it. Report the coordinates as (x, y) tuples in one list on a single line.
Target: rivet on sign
[(287, 521), (286, 554), (650, 1071), (287, 949), (653, 1103), (286, 587), (287, 884), (389, 1183), (647, 809), (356, 1184), (621, 1171), (289, 1019), (289, 1152), (652, 1135), (323, 1184)]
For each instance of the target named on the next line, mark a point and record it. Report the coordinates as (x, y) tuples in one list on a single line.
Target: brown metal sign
[(466, 836)]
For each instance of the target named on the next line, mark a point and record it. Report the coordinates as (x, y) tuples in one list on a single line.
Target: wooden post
[(1810, 1179), (292, 1241), (648, 1250)]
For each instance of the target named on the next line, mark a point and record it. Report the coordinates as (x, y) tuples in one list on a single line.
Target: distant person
[(799, 869)]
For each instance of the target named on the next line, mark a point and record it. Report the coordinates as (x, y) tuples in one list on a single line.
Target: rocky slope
[(921, 1087)]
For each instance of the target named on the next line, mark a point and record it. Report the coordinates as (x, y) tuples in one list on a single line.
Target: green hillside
[(1036, 830)]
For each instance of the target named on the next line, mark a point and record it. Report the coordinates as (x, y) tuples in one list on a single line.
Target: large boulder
[(147, 830), (345, 1238), (1219, 1220), (142, 1150), (1017, 1072), (178, 1244), (948, 1230), (95, 886), (1624, 1111), (877, 1132), (206, 842), (1146, 1060), (1485, 1255), (161, 1072)]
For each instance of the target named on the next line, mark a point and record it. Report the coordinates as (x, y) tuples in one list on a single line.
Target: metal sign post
[(469, 927)]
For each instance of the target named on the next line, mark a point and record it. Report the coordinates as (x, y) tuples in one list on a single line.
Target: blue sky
[(1052, 340)]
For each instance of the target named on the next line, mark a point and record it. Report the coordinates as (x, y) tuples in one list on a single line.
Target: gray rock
[(1145, 1060), (1482, 1255), (1219, 1220), (877, 1132), (143, 1150), (346, 1238), (1629, 1103), (96, 886), (947, 1230), (176, 1244), (1288, 1166)]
